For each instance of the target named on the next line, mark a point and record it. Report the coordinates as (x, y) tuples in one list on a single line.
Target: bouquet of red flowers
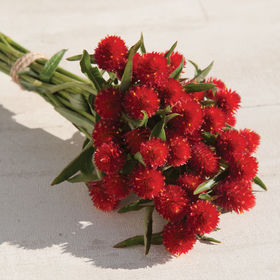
[(149, 130)]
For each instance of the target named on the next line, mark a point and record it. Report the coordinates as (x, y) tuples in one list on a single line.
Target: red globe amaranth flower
[(116, 186), (151, 69), (154, 152), (135, 138), (111, 53), (109, 158), (179, 151), (141, 98), (191, 116), (177, 238), (214, 120), (105, 131), (171, 203), (227, 100), (108, 104), (100, 198), (194, 137), (245, 167), (203, 160), (190, 181), (220, 86), (203, 216), (230, 144), (175, 61), (235, 195), (146, 182), (172, 92), (230, 118), (252, 140)]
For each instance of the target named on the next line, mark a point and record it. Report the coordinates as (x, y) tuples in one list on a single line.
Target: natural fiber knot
[(22, 63)]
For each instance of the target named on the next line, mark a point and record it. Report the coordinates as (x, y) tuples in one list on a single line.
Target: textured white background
[(55, 233)]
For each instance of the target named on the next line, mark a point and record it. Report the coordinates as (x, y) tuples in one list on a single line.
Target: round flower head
[(191, 116), (220, 85), (179, 151), (140, 98), (135, 138), (245, 167), (151, 69), (171, 203), (252, 140), (146, 182), (230, 118), (230, 144), (172, 92), (214, 119), (105, 131), (116, 186), (235, 195), (177, 239), (111, 53), (100, 198), (109, 158), (154, 152), (190, 181), (203, 160), (108, 104), (203, 216), (175, 61)]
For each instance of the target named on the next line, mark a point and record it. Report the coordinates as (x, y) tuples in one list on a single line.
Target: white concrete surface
[(55, 233)]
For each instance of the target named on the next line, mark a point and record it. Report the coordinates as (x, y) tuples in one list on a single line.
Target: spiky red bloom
[(116, 186), (245, 167), (135, 138), (100, 198), (179, 151), (194, 137), (230, 144), (191, 116), (252, 140), (146, 182), (203, 160), (190, 181), (154, 152), (151, 69), (227, 100), (108, 104), (220, 85), (141, 98), (172, 92), (177, 239), (175, 60), (171, 203), (235, 195), (203, 216), (109, 158), (214, 119), (230, 118), (111, 53), (105, 131)]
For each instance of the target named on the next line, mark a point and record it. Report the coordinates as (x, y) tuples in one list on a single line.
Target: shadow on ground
[(34, 215)]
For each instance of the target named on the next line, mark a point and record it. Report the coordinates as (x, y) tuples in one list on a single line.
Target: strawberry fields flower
[(214, 119), (135, 138), (116, 186), (252, 140), (179, 151)]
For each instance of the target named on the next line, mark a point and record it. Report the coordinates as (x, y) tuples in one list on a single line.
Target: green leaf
[(127, 74), (176, 73), (78, 102), (197, 70), (82, 177), (139, 240), (205, 196), (201, 76), (207, 185), (75, 165), (78, 57), (128, 167), (135, 206), (67, 85), (206, 238), (192, 87), (260, 183), (142, 47), (208, 138), (148, 223), (51, 66), (158, 131), (170, 117), (167, 55), (139, 158), (93, 73), (75, 118)]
